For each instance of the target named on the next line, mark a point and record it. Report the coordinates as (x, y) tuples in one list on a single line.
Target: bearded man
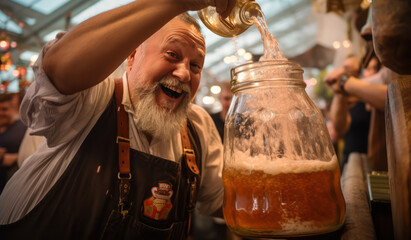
[(107, 156)]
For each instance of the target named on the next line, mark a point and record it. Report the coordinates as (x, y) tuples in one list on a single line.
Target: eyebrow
[(173, 39)]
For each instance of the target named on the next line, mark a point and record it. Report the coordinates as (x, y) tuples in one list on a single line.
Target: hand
[(333, 79), (223, 7)]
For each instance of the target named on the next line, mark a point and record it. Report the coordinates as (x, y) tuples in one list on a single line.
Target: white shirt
[(28, 146), (66, 120)]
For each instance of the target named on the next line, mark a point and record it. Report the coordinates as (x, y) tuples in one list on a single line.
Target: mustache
[(171, 81)]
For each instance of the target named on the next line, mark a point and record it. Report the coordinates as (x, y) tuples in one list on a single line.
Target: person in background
[(372, 68), (372, 90), (208, 227), (225, 98), (349, 117), (137, 175), (333, 135), (11, 134)]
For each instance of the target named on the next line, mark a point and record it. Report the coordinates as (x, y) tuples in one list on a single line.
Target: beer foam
[(304, 227), (243, 161)]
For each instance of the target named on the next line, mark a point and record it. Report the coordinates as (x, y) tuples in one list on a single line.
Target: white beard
[(160, 120)]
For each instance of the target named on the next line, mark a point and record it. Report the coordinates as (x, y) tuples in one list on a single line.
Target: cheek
[(195, 82), (144, 74)]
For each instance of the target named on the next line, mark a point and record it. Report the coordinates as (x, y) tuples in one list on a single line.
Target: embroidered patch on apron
[(159, 204)]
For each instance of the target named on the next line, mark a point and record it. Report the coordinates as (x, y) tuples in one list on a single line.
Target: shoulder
[(204, 125), (198, 115), (18, 126)]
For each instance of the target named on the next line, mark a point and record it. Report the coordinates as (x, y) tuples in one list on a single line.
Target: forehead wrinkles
[(185, 42), (178, 29)]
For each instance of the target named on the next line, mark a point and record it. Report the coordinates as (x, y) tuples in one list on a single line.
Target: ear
[(130, 59)]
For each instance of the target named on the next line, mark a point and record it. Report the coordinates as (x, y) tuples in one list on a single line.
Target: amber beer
[(283, 200)]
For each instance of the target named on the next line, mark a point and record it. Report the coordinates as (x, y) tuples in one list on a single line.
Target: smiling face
[(164, 73), (176, 51)]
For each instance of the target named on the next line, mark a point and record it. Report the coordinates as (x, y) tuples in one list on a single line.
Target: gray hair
[(187, 18)]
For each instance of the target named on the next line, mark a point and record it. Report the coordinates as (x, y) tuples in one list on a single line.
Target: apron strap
[(124, 174), (189, 158), (123, 141), (188, 151)]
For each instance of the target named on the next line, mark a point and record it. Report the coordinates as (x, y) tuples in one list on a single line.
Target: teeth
[(174, 89)]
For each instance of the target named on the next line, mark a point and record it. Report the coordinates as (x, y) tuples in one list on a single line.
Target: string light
[(336, 44), (6, 43), (240, 55), (207, 100), (5, 62), (215, 89), (346, 44)]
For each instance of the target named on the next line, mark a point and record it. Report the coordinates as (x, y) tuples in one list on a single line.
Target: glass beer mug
[(281, 174), (239, 20)]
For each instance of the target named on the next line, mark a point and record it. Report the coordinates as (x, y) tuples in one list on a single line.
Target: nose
[(182, 72)]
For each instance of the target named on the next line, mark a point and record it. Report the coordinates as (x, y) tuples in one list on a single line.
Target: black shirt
[(219, 124), (356, 138)]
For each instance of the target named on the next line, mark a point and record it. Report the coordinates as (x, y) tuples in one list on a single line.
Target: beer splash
[(270, 43)]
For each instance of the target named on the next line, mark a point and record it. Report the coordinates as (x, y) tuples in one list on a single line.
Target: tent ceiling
[(33, 22)]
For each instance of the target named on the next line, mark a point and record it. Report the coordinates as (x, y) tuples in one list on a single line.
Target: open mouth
[(171, 91)]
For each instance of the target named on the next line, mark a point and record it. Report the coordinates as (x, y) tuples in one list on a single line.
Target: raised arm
[(92, 50), (340, 115), (374, 94)]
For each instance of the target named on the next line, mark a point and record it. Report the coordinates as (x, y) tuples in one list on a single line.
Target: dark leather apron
[(83, 204)]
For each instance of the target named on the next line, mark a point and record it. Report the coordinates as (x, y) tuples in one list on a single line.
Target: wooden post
[(391, 30), (398, 133)]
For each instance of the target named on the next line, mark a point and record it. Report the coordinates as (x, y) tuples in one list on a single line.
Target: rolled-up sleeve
[(56, 116)]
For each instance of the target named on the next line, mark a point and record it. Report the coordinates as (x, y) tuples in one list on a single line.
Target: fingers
[(333, 78), (224, 7), (329, 80), (211, 3), (230, 6), (332, 82)]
